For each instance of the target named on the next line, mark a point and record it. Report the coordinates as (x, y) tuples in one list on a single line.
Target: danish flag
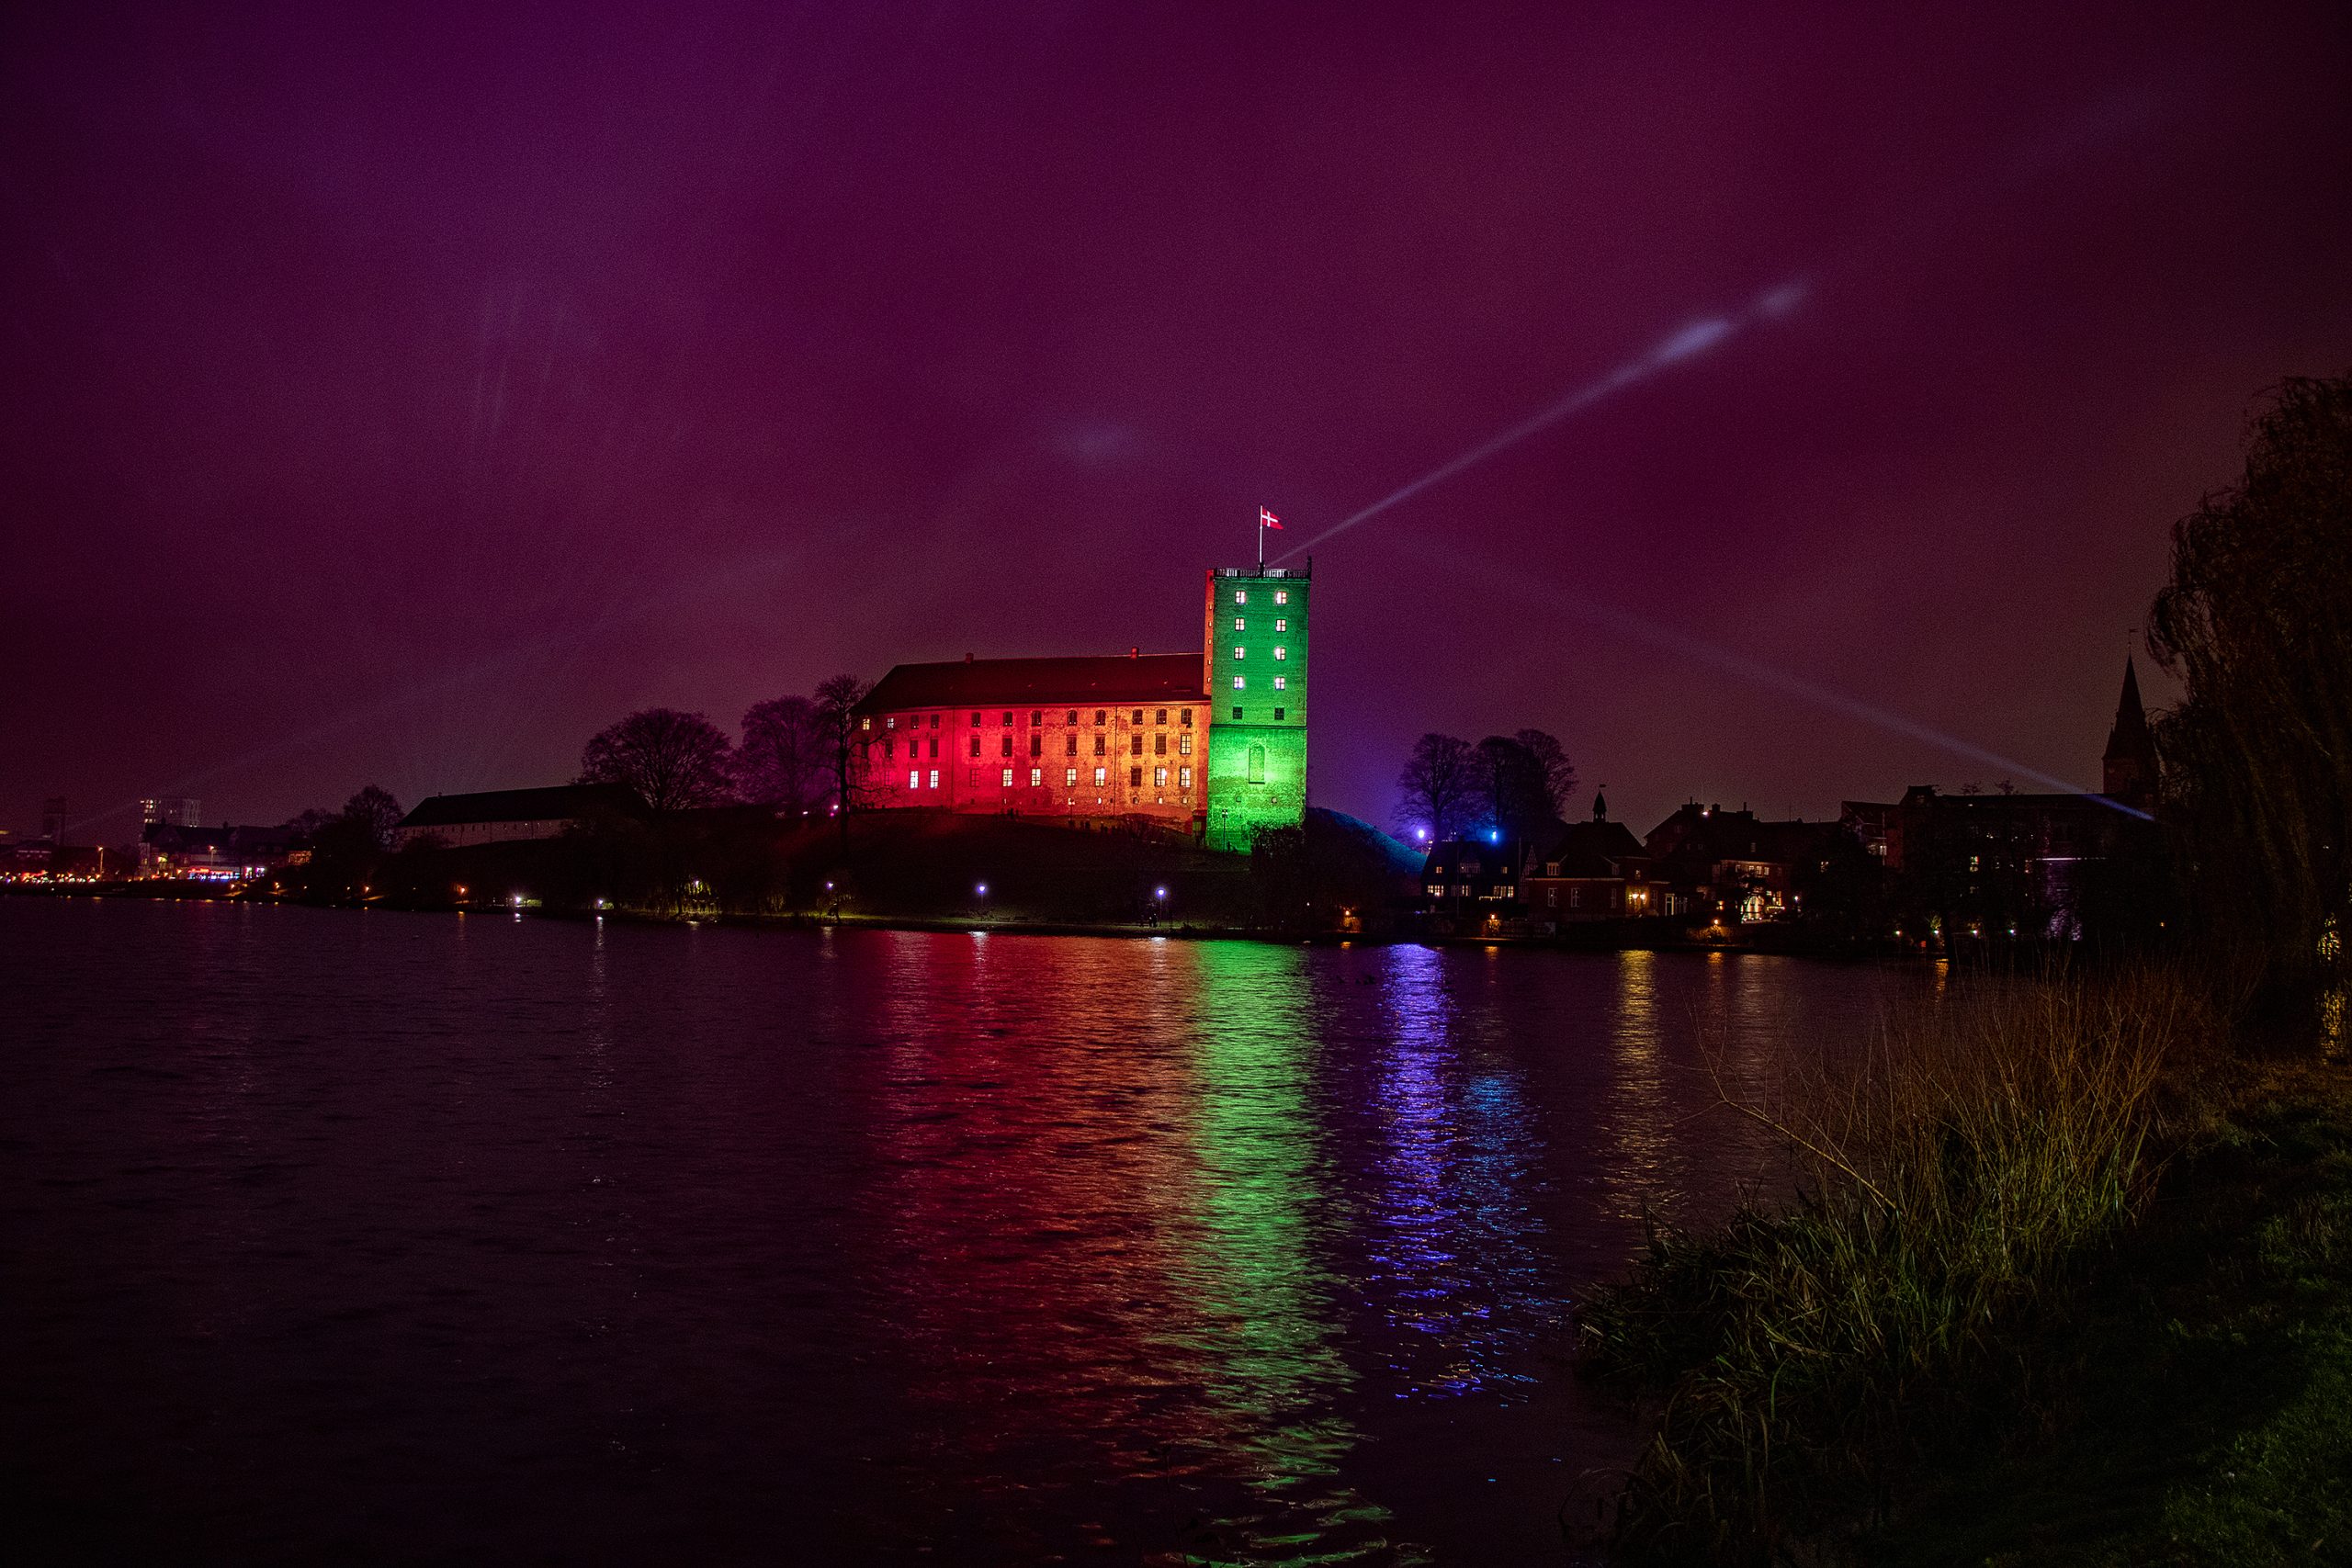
[(1268, 520)]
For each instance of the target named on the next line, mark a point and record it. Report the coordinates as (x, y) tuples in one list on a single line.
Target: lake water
[(333, 1235)]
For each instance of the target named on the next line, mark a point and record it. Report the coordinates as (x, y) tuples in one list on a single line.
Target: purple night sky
[(402, 398)]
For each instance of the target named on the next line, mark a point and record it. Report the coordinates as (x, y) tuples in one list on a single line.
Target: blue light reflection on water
[(377, 1236)]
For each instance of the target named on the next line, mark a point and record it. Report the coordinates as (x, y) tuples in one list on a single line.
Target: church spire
[(2130, 771)]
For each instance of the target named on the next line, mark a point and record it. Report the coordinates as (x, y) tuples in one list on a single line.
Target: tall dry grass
[(1949, 1178)]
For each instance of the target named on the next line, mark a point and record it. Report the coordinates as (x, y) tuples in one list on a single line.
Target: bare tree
[(1437, 787), (836, 718), (375, 813), (674, 761), (783, 761), (1549, 774), (2257, 758)]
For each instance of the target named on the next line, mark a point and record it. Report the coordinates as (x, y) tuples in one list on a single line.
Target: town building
[(1591, 871), (226, 854), (1473, 883), (1210, 745), (505, 815), (1733, 868), (180, 810)]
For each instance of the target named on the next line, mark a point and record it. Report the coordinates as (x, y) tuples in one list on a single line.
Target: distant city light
[(1159, 893), (982, 890)]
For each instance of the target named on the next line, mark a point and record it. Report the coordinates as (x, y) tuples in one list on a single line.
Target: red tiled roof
[(1017, 682)]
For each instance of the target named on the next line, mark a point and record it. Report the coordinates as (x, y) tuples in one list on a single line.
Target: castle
[(1211, 745)]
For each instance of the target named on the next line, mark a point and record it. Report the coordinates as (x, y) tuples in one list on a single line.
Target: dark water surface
[(365, 1236)]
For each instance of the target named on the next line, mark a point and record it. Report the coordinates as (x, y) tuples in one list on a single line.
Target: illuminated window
[(866, 722), (1183, 778), (1239, 652), (1282, 595), (1008, 778), (1099, 776), (1069, 775), (935, 778), (1281, 626), (1257, 764), (1037, 777), (1134, 778), (1282, 653), (1281, 682), (1183, 746), (1160, 717), (1160, 778), (891, 722), (1238, 683), (1241, 596), (1240, 623), (914, 779), (1437, 889)]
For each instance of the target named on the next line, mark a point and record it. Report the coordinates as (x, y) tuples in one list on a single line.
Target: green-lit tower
[(1254, 654)]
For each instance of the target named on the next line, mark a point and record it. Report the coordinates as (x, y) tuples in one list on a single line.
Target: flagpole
[(1262, 541)]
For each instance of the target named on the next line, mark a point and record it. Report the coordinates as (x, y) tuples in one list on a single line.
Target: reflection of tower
[(174, 811), (1253, 655), (2128, 773), (53, 819)]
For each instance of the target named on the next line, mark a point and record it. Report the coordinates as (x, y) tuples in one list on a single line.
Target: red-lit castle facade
[(1117, 740)]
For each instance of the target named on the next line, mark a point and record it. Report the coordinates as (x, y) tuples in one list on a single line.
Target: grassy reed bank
[(1818, 1364)]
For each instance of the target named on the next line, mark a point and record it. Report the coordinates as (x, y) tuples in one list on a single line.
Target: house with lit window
[(1209, 744), (1591, 870), (1471, 884)]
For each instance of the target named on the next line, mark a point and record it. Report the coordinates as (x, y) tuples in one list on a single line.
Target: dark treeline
[(1514, 784)]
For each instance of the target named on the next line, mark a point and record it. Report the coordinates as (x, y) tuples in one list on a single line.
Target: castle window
[(914, 779), (1069, 776), (1100, 717), (1240, 623), (1186, 715), (1281, 682), (1036, 745), (1134, 745), (1281, 626), (1236, 712), (1239, 652), (1183, 778), (976, 745), (1241, 595), (1134, 778), (1257, 764), (1099, 776), (1160, 778), (1183, 746), (1282, 595), (1158, 745), (1160, 717), (1278, 715), (1098, 746), (1238, 683), (935, 778), (1008, 778), (1037, 777)]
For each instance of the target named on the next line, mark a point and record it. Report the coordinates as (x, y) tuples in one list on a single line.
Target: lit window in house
[(1183, 778), (1101, 775), (1069, 776), (1281, 682), (1282, 653), (1238, 683), (1437, 889), (1282, 595), (1183, 746), (1160, 778), (1008, 778), (866, 722), (1257, 764), (1134, 778), (891, 722), (935, 778), (1037, 777)]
